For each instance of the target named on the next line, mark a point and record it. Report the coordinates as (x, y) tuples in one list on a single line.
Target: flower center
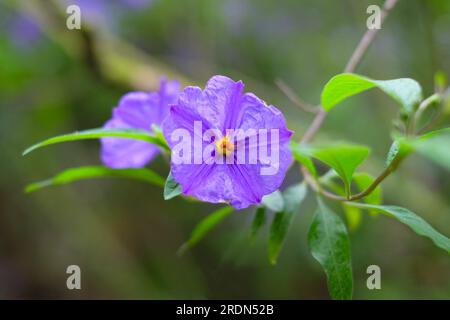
[(225, 146)]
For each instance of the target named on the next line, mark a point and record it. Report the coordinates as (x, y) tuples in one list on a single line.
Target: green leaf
[(273, 201), (205, 226), (171, 188), (293, 197), (99, 133), (82, 173), (343, 158), (440, 81), (415, 222), (437, 150), (433, 134), (258, 222), (353, 216), (329, 244), (435, 146), (158, 133), (300, 154), (405, 91)]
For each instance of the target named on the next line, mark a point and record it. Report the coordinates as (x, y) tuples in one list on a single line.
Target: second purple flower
[(137, 110)]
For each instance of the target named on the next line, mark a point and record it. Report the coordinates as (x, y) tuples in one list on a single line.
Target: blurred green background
[(121, 233)]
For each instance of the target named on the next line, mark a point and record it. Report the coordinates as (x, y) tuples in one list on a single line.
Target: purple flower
[(24, 31), (137, 110), (228, 128)]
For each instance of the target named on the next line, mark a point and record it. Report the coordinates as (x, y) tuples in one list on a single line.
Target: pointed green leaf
[(171, 188), (89, 172), (293, 197), (158, 133), (440, 81), (301, 155), (415, 222), (343, 158), (273, 201), (435, 146), (405, 91), (329, 244), (353, 216), (258, 222), (205, 226), (99, 133)]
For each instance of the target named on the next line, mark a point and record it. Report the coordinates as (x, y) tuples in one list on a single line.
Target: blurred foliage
[(121, 233)]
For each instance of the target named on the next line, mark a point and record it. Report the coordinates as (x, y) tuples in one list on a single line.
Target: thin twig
[(315, 125), (367, 39), (355, 59), (295, 99), (318, 188)]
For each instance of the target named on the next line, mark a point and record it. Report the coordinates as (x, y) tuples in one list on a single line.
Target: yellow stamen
[(225, 146)]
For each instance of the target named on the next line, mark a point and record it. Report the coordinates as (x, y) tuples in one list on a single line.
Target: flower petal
[(224, 95), (257, 115), (138, 110), (125, 153), (214, 183)]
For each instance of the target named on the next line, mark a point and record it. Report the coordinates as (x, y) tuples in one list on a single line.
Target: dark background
[(121, 233)]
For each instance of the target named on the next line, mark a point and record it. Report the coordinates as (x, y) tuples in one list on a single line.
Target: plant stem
[(391, 168), (315, 125), (355, 59), (295, 99)]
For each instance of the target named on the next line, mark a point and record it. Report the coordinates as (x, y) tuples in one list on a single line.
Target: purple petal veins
[(221, 108), (137, 110)]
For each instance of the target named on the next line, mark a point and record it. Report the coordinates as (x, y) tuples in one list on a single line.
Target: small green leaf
[(343, 158), (171, 188), (405, 91), (205, 226), (99, 133), (158, 133), (89, 172), (433, 134), (435, 146), (273, 201), (353, 216), (329, 244), (415, 222), (293, 197), (300, 154), (440, 81), (258, 222)]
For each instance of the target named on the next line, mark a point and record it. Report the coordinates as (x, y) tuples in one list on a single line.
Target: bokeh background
[(121, 233)]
